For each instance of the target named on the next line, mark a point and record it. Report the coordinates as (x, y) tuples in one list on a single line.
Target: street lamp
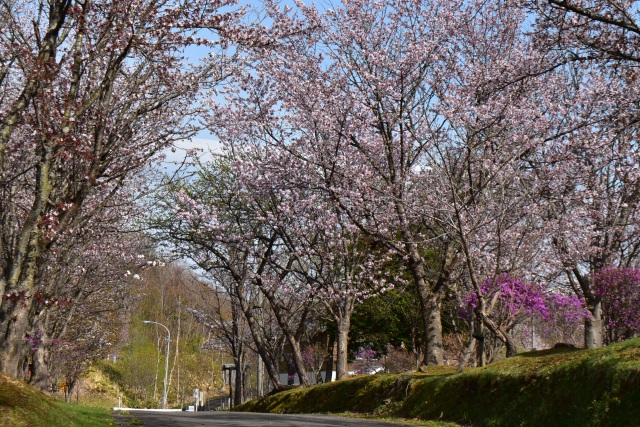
[(166, 366)]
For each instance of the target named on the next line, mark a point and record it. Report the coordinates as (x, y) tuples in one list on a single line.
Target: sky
[(204, 140)]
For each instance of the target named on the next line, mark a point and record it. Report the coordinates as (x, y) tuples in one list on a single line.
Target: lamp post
[(166, 366)]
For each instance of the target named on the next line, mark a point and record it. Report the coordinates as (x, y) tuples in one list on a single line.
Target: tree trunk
[(68, 391), (479, 335), (40, 370), (593, 326), (344, 324), (259, 391), (429, 308), (434, 353), (13, 347), (297, 360), (466, 355), (238, 393), (512, 349), (16, 316), (291, 369), (270, 365), (328, 370)]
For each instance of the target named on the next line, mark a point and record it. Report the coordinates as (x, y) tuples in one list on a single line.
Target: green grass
[(559, 387), (21, 405)]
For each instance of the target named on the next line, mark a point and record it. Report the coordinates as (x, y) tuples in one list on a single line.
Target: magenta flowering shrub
[(516, 304), (619, 290), (34, 341), (514, 300), (366, 358), (313, 358), (565, 320)]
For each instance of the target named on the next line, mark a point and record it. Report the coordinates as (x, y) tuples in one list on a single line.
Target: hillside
[(560, 387), (21, 405)]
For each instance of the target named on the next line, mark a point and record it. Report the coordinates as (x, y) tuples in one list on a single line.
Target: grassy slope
[(21, 405), (561, 387), (99, 389)]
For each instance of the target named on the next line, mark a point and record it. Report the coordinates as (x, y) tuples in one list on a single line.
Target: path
[(245, 419)]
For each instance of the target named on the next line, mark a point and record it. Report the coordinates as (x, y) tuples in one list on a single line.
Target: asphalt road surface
[(237, 419)]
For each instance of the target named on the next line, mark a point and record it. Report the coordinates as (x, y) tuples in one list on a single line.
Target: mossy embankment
[(22, 405), (559, 387)]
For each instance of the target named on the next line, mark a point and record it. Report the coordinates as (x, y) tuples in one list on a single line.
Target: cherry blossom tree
[(590, 30), (79, 287), (336, 260), (476, 169), (342, 108), (91, 91), (587, 188), (234, 235), (589, 169), (417, 132), (223, 318)]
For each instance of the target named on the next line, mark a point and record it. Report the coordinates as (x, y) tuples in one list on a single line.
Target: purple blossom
[(515, 298), (365, 359), (619, 290)]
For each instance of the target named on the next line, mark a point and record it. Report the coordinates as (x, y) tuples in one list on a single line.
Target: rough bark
[(429, 309), (39, 367), (16, 317), (434, 352), (13, 347), (343, 342), (593, 326), (238, 393)]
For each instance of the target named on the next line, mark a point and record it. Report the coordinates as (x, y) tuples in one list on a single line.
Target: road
[(237, 419)]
